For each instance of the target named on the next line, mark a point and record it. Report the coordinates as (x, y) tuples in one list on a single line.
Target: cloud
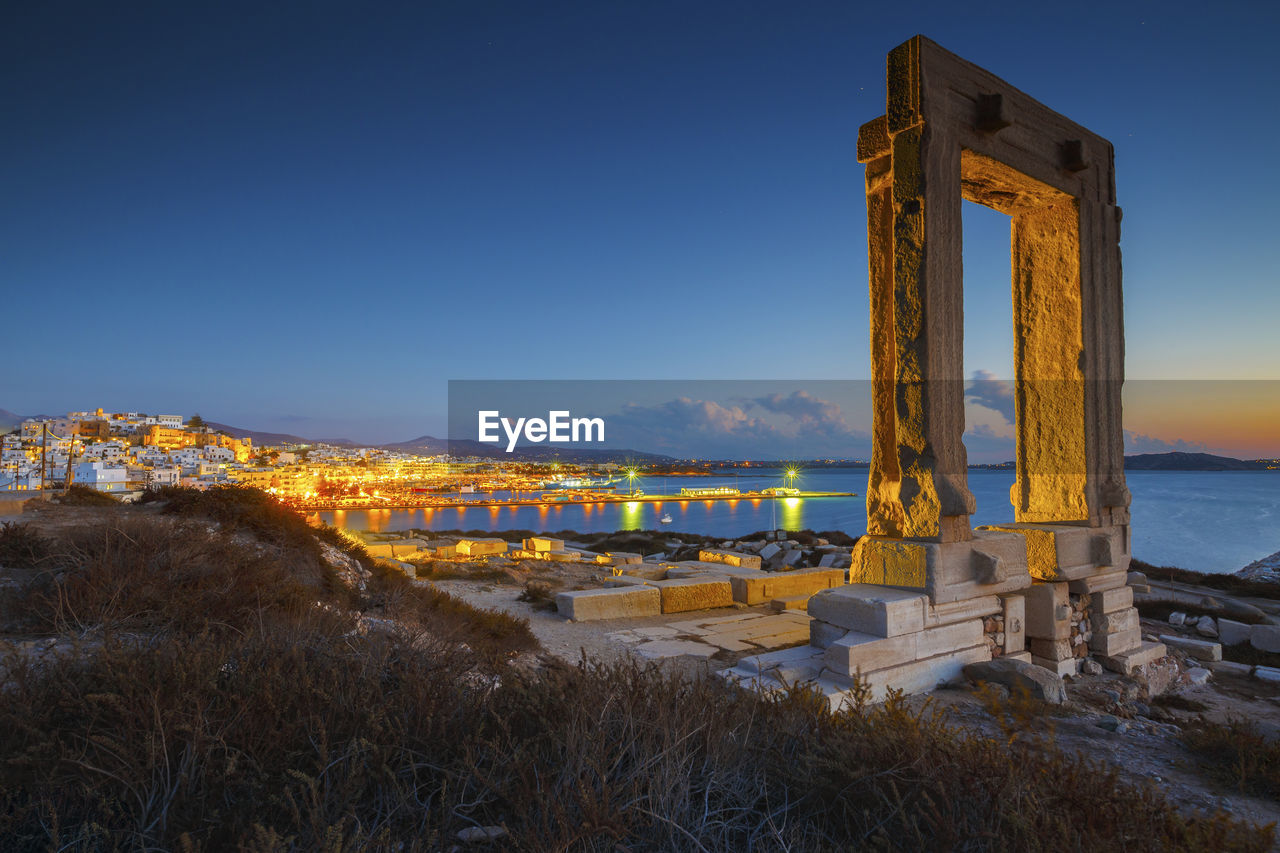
[(985, 390), (803, 407), (809, 428), (1136, 442)]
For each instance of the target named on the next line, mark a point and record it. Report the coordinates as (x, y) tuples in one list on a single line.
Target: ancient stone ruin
[(929, 593)]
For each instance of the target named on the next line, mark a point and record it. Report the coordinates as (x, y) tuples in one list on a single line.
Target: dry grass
[(275, 726), (311, 740), (1237, 754)]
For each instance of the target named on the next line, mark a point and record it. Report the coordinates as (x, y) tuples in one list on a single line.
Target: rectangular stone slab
[(1198, 649), (685, 594), (764, 586), (620, 603)]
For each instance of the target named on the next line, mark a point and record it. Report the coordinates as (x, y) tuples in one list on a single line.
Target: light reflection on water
[(1212, 521)]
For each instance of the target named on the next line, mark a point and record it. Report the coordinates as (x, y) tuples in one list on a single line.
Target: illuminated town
[(125, 453)]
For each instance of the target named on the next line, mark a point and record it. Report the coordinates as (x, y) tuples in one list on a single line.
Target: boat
[(666, 518)]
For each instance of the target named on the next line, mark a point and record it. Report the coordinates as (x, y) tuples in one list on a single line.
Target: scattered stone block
[(730, 558), (1177, 618), (1198, 649), (648, 571), (1267, 673), (1233, 633), (768, 551), (878, 610), (618, 558), (685, 594), (834, 561), (565, 556), (543, 543), (1265, 638), (1206, 627), (1015, 675), (481, 547), (1198, 675), (1230, 667), (618, 603)]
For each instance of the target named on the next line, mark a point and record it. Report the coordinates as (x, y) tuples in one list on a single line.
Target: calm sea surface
[(1205, 520)]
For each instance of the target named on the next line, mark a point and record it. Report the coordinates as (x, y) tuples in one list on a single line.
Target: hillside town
[(124, 453)]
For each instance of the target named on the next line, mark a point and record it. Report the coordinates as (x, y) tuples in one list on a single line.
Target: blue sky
[(309, 217)]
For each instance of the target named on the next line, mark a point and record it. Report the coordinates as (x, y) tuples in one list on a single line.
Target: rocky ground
[(1107, 717)]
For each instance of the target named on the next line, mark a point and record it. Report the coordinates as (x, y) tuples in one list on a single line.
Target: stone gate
[(928, 593)]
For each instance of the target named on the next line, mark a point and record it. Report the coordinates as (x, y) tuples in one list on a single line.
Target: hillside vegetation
[(207, 672)]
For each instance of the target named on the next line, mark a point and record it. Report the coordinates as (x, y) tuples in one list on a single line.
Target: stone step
[(858, 652), (869, 609), (1126, 662), (799, 601)]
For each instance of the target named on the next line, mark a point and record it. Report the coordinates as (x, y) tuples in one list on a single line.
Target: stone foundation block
[(1048, 611), (1054, 650), (923, 675), (619, 603), (1111, 600), (1098, 582), (951, 612), (823, 634), (1115, 621), (1126, 663), (877, 610), (1110, 645), (1059, 667), (857, 652), (1014, 608)]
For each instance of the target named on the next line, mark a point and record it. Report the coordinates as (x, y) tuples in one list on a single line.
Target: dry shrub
[(299, 733), (540, 594), (305, 739), (22, 546), (495, 637), (161, 574), (1236, 753), (78, 495)]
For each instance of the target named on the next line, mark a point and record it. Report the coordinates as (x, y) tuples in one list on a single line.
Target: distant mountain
[(261, 438), (431, 446), (8, 420), (1178, 461)]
